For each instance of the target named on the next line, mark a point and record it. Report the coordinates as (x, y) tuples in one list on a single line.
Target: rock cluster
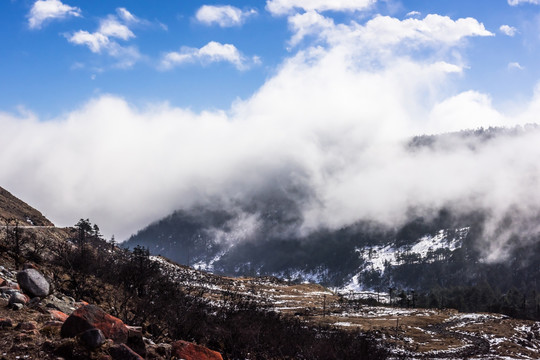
[(11, 291), (90, 317), (82, 324)]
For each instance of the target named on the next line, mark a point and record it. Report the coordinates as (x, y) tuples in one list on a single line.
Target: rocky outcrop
[(189, 351), (33, 283), (91, 316), (93, 326), (13, 208)]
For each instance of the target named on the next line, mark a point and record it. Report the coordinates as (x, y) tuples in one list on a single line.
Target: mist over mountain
[(333, 122), (459, 243)]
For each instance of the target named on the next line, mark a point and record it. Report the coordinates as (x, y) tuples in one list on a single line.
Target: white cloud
[(210, 53), (224, 15), (104, 39), (47, 10), (112, 28), (517, 2), (384, 31), (283, 7), (310, 23), (95, 41), (125, 15), (413, 14), (508, 30), (515, 65)]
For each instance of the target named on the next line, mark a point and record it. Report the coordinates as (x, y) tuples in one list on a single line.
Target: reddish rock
[(91, 316), (58, 315), (122, 352), (80, 304), (189, 351), (3, 282)]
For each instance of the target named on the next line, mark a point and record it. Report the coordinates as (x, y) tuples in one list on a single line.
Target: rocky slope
[(37, 323), (13, 208)]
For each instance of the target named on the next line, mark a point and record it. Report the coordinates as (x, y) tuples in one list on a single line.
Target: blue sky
[(45, 73), (123, 111)]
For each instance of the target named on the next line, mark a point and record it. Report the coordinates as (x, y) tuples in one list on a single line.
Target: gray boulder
[(33, 283)]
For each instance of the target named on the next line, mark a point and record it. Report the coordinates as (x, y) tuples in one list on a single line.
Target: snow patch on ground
[(343, 324)]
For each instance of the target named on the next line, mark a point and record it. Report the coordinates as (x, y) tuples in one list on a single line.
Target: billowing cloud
[(318, 124), (326, 122), (223, 15), (209, 53), (283, 7), (46, 10), (104, 40), (112, 28), (95, 41), (508, 30), (100, 40), (517, 2), (384, 31)]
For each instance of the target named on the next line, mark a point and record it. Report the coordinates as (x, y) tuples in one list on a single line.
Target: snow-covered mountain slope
[(440, 256), (427, 249)]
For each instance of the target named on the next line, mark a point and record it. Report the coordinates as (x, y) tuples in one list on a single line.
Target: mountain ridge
[(12, 208)]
